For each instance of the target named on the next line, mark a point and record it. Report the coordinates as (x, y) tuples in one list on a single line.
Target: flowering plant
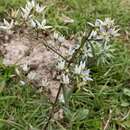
[(95, 48)]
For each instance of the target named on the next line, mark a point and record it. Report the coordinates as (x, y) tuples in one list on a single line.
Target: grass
[(8, 4), (106, 100)]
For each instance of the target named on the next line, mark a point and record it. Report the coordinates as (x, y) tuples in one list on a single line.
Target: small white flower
[(79, 68), (25, 12), (32, 75), (39, 9), (61, 38), (42, 25), (65, 79), (98, 22), (93, 34), (108, 22), (7, 25), (56, 35), (104, 30), (30, 4), (114, 32), (25, 67), (72, 49), (86, 76), (88, 52), (61, 64), (33, 23)]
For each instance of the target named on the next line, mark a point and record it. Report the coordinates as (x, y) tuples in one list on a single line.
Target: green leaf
[(68, 113), (67, 95), (81, 114), (125, 104), (127, 92)]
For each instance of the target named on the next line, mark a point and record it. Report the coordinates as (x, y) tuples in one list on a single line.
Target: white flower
[(32, 75), (25, 67), (88, 51), (72, 49), (27, 10), (61, 39), (39, 9), (33, 23), (79, 68), (93, 34), (42, 25), (108, 22), (114, 32), (56, 35), (86, 76), (98, 22), (30, 4), (61, 64), (7, 25), (65, 79), (104, 30)]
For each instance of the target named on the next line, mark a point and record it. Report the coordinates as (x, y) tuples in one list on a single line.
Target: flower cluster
[(104, 30), (79, 71), (58, 37), (39, 25), (74, 68), (84, 73), (31, 5), (7, 26), (96, 50), (33, 15), (100, 37)]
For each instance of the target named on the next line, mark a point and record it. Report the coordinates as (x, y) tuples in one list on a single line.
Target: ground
[(106, 100)]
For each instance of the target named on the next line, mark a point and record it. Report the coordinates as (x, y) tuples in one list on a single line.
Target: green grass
[(83, 11), (8, 4), (24, 108)]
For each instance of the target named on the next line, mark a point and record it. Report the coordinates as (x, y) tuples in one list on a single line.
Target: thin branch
[(77, 51), (53, 107), (84, 39), (49, 47)]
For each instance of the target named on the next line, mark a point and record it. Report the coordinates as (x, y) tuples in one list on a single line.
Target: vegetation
[(103, 104)]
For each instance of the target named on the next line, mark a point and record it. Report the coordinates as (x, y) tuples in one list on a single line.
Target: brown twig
[(49, 47), (53, 107), (77, 51)]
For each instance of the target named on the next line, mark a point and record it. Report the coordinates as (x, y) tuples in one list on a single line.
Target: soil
[(34, 58)]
